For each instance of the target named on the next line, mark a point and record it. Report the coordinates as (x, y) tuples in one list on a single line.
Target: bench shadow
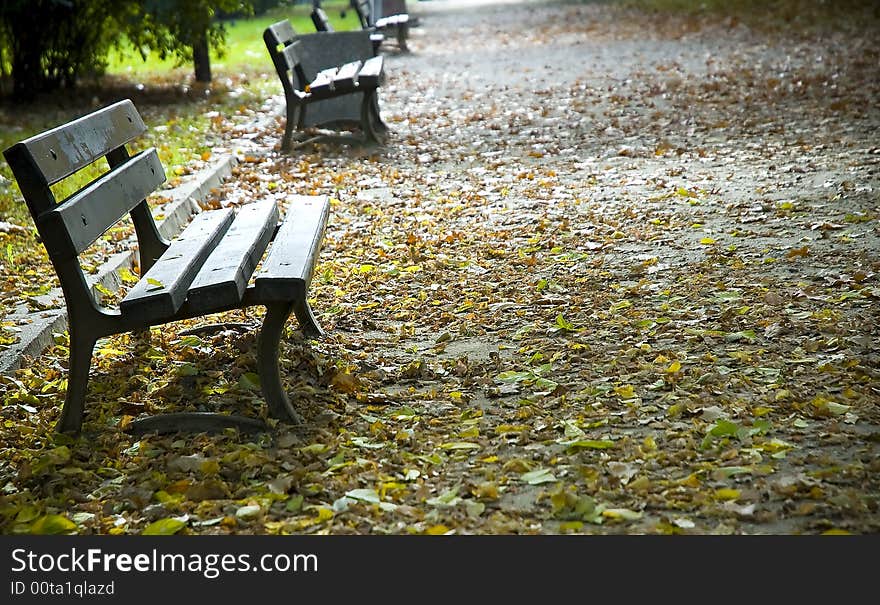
[(201, 381), (110, 89)]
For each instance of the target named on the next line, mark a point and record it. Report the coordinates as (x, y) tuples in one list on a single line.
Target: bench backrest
[(69, 226), (362, 9), (319, 18), (394, 7), (281, 43)]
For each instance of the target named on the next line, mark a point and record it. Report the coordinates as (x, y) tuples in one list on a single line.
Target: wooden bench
[(392, 27), (322, 24), (313, 78), (208, 268)]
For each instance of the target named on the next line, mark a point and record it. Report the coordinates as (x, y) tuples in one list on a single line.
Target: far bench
[(208, 268), (392, 27), (315, 76), (322, 24)]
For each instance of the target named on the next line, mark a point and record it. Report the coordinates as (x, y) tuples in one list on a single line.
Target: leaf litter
[(605, 277)]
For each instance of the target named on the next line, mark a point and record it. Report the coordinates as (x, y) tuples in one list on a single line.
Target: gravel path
[(614, 272)]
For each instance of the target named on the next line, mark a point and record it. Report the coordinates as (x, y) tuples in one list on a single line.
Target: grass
[(244, 43)]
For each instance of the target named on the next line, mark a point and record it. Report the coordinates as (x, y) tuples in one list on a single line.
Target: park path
[(599, 228), (613, 272)]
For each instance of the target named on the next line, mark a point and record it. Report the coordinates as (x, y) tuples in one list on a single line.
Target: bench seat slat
[(346, 76), (392, 21), (372, 71), (224, 277), (175, 270), (87, 214), (287, 269), (322, 85), (335, 81)]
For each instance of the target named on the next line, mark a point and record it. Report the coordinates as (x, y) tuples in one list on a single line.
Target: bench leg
[(81, 348), (291, 124), (307, 322), (267, 362), (375, 130), (402, 34)]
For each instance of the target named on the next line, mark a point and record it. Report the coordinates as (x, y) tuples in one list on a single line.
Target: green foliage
[(173, 27), (49, 44)]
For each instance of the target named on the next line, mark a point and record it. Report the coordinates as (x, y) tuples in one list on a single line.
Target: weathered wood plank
[(320, 20), (323, 82), (61, 151), (392, 21), (281, 32), (346, 77), (222, 280), (371, 73), (87, 214), (161, 290), (287, 269)]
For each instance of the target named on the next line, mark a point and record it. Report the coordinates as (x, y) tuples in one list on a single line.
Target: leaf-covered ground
[(614, 272)]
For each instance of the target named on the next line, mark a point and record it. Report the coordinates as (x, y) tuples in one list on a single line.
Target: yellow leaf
[(436, 530), (625, 391), (674, 367), (726, 493), (692, 480), (623, 514), (345, 382), (164, 527), (707, 241), (52, 524)]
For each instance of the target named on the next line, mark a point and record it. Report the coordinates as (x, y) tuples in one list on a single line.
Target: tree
[(185, 28), (51, 43)]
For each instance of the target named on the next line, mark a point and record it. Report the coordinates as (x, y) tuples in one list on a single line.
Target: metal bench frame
[(189, 279), (391, 26)]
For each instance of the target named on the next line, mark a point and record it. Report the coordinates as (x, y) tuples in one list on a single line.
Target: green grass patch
[(244, 51)]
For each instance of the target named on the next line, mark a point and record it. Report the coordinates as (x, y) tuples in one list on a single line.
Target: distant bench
[(392, 27), (320, 74), (322, 24), (207, 269)]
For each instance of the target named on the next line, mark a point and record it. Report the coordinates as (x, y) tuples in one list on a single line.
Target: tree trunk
[(27, 73), (201, 59)]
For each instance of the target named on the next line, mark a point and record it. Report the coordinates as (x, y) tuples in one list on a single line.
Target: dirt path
[(614, 272)]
